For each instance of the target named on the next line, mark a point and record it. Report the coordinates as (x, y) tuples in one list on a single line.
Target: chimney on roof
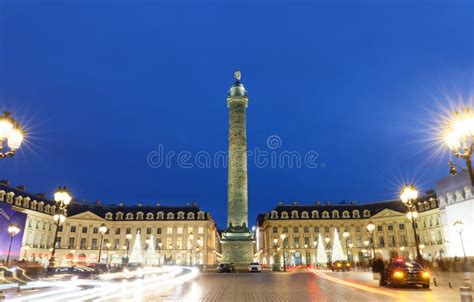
[(280, 203), (157, 204), (97, 202), (139, 205), (317, 203), (5, 182), (42, 195), (294, 203), (194, 204), (120, 204), (328, 202), (188, 204), (21, 187)]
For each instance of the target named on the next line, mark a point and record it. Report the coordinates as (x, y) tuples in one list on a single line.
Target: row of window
[(315, 214), (150, 216), (149, 231), (179, 244), (327, 229)]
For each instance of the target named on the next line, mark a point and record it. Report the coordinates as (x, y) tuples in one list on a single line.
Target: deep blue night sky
[(100, 86)]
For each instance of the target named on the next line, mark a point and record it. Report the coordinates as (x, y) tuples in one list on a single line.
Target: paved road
[(298, 286)]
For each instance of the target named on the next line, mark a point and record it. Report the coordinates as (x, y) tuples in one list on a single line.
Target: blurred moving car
[(340, 266), (225, 268), (255, 267), (401, 272)]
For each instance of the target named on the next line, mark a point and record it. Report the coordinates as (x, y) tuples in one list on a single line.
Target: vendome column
[(237, 239)]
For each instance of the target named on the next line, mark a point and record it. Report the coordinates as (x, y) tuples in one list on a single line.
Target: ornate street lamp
[(10, 135), (282, 237), (147, 244), (346, 237), (62, 198), (459, 227), (13, 230), (128, 237), (160, 244), (352, 252), (408, 197), (458, 133), (275, 256), (190, 238), (102, 230), (371, 228), (108, 245)]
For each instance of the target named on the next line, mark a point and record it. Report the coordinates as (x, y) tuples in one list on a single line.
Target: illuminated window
[(169, 230)]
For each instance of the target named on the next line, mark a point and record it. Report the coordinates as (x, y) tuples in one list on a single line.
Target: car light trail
[(111, 286)]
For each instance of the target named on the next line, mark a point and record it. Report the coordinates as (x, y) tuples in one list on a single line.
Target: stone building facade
[(393, 234), (186, 233)]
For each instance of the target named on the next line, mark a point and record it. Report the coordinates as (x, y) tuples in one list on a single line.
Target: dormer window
[(366, 213), (335, 214), (345, 214), (170, 215), (119, 216), (325, 214), (304, 214), (41, 206), (129, 216), (427, 206), (433, 203), (149, 216), (180, 215), (294, 214), (33, 205), (139, 215), (26, 203), (108, 216), (190, 215), (355, 214), (47, 209), (314, 214), (200, 215), (284, 215), (274, 215), (18, 200), (160, 215)]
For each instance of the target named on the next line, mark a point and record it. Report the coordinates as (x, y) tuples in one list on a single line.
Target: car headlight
[(425, 275), (398, 275)]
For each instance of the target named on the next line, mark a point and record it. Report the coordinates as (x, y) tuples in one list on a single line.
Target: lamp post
[(459, 227), (128, 237), (62, 197), (190, 237), (371, 228), (282, 237), (346, 237), (159, 253), (315, 246), (13, 230), (10, 133), (108, 245), (458, 134), (328, 251), (408, 197), (147, 244), (351, 246), (275, 243), (102, 231)]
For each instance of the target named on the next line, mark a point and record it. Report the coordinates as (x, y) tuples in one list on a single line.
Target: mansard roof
[(77, 207)]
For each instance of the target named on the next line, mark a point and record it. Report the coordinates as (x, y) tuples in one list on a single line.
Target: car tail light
[(398, 275), (425, 275)]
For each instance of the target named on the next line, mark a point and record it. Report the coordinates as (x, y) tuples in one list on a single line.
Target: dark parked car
[(340, 266), (401, 272), (225, 268)]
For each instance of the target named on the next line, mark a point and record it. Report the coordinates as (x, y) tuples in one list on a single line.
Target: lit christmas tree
[(136, 256), (321, 257), (337, 253), (150, 252)]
